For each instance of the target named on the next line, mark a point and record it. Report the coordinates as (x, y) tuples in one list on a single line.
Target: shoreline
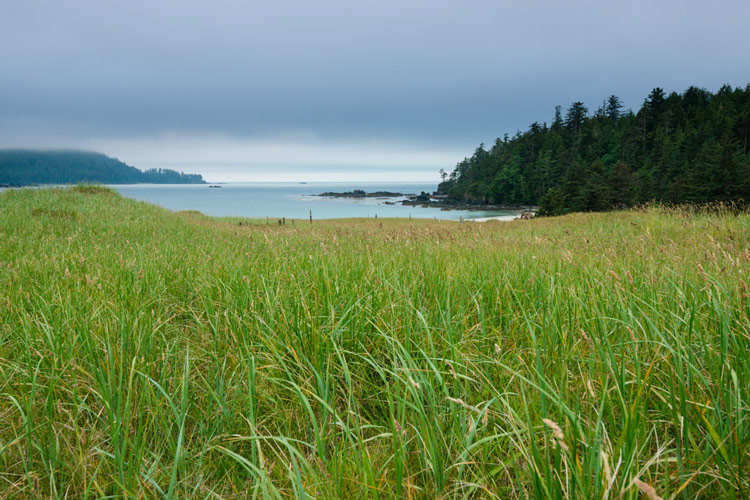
[(426, 200), (446, 204), (502, 218)]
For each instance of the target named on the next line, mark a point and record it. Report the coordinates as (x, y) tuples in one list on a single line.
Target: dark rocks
[(358, 193), (445, 203)]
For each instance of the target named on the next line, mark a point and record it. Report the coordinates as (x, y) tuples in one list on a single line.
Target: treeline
[(678, 148), (23, 167)]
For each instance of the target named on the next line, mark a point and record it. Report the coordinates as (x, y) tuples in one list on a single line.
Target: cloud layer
[(416, 79)]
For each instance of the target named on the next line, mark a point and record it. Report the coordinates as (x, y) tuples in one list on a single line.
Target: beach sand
[(498, 217)]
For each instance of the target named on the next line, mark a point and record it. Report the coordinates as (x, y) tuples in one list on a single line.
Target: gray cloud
[(430, 74)]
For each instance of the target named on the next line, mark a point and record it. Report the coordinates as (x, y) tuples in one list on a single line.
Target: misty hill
[(22, 167), (692, 147)]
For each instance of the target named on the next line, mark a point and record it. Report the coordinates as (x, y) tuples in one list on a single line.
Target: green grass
[(148, 354)]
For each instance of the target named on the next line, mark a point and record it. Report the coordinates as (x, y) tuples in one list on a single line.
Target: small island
[(359, 193)]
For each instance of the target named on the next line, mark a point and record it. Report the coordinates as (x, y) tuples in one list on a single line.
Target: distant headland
[(24, 167)]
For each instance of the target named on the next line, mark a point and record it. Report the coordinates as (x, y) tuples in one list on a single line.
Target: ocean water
[(294, 200)]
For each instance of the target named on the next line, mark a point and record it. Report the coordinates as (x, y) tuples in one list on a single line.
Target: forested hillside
[(677, 148), (22, 167)]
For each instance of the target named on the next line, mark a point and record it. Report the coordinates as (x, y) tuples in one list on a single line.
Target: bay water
[(296, 200)]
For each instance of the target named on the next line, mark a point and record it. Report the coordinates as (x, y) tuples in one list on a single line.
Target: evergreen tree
[(614, 105), (689, 147), (575, 117)]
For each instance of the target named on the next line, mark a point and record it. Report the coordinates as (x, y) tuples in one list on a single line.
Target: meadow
[(152, 354)]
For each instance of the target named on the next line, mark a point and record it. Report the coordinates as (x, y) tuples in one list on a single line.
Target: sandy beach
[(497, 217)]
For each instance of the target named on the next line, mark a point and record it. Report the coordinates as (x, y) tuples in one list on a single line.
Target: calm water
[(294, 201), (290, 200)]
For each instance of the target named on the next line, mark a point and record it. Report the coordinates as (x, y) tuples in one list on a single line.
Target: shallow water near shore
[(295, 201)]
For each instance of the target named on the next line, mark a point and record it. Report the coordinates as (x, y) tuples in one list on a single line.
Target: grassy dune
[(148, 354)]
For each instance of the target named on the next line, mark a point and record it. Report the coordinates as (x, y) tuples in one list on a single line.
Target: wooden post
[(311, 216)]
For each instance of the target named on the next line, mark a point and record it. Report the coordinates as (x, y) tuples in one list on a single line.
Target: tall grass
[(148, 354)]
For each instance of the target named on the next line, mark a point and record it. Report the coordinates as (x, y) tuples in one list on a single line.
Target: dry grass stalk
[(463, 403), (632, 335), (451, 370), (399, 431), (647, 490), (586, 337), (590, 387), (606, 467), (556, 430), (557, 433)]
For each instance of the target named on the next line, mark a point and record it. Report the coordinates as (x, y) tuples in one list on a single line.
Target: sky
[(352, 90)]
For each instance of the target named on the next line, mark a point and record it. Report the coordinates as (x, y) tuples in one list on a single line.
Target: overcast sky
[(338, 90)]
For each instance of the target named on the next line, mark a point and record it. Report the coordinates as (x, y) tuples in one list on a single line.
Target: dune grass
[(148, 354)]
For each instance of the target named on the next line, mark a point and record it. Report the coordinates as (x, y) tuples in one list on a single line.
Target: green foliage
[(678, 148), (23, 167), (148, 354)]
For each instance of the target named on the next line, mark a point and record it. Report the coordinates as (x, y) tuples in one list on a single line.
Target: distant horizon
[(321, 177), (325, 183), (230, 159), (216, 172)]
